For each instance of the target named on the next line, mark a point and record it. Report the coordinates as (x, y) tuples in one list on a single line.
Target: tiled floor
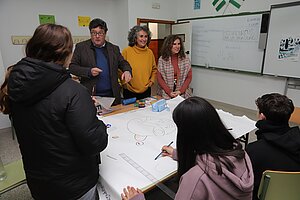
[(9, 151)]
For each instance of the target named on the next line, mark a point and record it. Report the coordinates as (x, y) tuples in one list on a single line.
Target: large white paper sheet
[(140, 134), (238, 126)]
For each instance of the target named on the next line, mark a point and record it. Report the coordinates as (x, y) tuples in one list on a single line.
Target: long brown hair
[(49, 43), (4, 99), (166, 49)]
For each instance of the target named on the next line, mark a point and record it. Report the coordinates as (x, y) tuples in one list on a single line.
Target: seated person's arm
[(170, 151)]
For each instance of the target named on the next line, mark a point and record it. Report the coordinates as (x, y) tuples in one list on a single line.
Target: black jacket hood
[(30, 80), (285, 137)]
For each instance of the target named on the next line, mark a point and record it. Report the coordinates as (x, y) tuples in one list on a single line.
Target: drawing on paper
[(149, 126)]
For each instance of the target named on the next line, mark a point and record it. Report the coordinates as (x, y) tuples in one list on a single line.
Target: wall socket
[(22, 40), (156, 5)]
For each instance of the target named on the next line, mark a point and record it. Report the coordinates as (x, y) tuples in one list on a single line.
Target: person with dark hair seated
[(278, 145), (96, 62), (211, 163)]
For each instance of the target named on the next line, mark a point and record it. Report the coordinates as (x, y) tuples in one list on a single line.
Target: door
[(160, 29), (184, 29)]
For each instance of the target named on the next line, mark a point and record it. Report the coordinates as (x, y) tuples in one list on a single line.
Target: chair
[(279, 185), (15, 176)]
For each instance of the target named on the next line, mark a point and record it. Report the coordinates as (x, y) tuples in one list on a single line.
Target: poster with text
[(289, 48)]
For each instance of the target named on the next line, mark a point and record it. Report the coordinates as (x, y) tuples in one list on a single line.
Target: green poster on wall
[(47, 19), (227, 4)]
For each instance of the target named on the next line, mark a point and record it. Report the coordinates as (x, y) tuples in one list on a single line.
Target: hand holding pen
[(166, 151)]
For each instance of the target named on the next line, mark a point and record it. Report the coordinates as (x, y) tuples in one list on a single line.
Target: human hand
[(94, 100), (130, 192), (126, 76), (95, 71), (175, 94), (167, 151), (150, 84)]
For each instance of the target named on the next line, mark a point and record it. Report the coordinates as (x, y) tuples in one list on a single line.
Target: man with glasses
[(96, 63)]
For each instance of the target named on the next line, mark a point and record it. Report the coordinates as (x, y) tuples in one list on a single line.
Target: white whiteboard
[(283, 42), (230, 42)]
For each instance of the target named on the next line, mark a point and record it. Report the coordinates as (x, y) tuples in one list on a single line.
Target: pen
[(162, 151), (229, 129)]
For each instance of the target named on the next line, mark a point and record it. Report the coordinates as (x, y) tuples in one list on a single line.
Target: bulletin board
[(283, 41)]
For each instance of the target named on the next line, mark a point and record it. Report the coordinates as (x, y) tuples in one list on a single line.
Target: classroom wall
[(120, 15), (185, 8), (143, 9), (23, 19), (230, 87)]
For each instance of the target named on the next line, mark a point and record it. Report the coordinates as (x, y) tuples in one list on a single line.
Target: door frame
[(156, 51), (143, 20), (147, 21)]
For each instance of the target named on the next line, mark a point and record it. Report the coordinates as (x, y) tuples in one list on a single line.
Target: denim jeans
[(92, 194)]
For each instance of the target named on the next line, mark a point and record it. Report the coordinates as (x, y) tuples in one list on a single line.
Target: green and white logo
[(227, 4)]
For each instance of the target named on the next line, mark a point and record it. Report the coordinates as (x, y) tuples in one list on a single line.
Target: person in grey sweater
[(211, 163)]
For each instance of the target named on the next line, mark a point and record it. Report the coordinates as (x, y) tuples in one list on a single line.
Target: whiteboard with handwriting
[(230, 42)]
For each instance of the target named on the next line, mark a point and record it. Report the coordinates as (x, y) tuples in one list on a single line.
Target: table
[(136, 136)]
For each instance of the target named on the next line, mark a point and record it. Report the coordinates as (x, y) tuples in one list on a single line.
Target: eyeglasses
[(97, 33)]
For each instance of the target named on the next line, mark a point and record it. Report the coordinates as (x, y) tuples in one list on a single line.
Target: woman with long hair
[(174, 69), (211, 163), (54, 117)]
